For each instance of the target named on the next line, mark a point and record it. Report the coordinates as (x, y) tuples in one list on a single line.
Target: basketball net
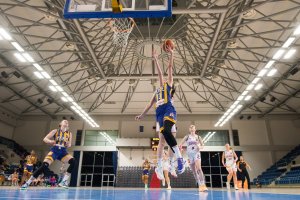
[(122, 28)]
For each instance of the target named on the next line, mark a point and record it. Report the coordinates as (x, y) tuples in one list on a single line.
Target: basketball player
[(145, 176), (194, 144), (242, 167), (165, 115), (28, 169), (230, 158), (166, 168), (61, 140)]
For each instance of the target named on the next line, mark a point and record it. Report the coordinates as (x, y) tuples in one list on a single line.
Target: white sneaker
[(64, 184), (159, 173), (228, 185), (236, 188)]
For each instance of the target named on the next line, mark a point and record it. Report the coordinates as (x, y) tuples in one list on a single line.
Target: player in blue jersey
[(165, 114), (61, 140)]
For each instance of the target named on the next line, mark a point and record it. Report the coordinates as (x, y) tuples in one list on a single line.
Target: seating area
[(291, 177), (132, 177), (278, 169)]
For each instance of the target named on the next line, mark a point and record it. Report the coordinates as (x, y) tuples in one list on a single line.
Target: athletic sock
[(177, 151)]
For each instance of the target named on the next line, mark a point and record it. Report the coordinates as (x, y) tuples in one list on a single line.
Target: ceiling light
[(288, 42), (64, 99), (70, 99), (272, 72), (278, 54), (38, 74), (240, 98), (236, 102), (250, 87), (52, 88), (28, 57), (38, 67), (289, 54), (59, 88), (73, 107), (262, 73), (20, 57), (262, 99), (4, 74), (53, 82), (248, 98), (46, 75), (269, 64), (17, 46), (255, 80), (258, 86), (217, 124), (272, 99), (245, 93), (5, 34), (65, 94), (297, 31), (232, 106)]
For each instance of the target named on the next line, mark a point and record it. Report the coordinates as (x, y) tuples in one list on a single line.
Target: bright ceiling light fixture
[(258, 86), (5, 34), (38, 67), (59, 88), (262, 73), (28, 57), (250, 87), (46, 75), (38, 74), (17, 46), (245, 93), (297, 31), (272, 72), (240, 98), (278, 54), (53, 82), (269, 64), (288, 42), (64, 99), (255, 80), (248, 98), (20, 57), (289, 54), (52, 88)]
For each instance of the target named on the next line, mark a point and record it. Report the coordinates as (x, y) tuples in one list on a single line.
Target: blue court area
[(138, 194)]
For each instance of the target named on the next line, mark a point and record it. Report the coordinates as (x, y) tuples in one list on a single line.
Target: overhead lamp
[(217, 124), (278, 54), (28, 57), (64, 99), (70, 98), (53, 82), (38, 67), (50, 100), (59, 88), (245, 92), (241, 117), (272, 72), (65, 94), (250, 87), (294, 71), (73, 107), (236, 102), (297, 31), (46, 75), (38, 74), (269, 64), (272, 99), (17, 46), (262, 99), (262, 73), (4, 74), (20, 57), (258, 86), (255, 80), (288, 42), (40, 101), (248, 98), (52, 88), (240, 98), (289, 54), (5, 34)]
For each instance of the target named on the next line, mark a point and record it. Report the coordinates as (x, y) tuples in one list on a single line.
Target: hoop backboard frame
[(89, 11)]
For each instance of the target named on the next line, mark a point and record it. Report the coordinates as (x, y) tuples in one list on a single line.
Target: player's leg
[(229, 176), (44, 167), (201, 177), (167, 178), (160, 149), (171, 154), (67, 158), (234, 176)]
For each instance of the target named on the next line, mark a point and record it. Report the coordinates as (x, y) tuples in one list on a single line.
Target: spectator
[(15, 178), (53, 181)]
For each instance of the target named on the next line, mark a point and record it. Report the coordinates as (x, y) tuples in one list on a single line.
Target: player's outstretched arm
[(170, 67), (147, 108), (159, 71)]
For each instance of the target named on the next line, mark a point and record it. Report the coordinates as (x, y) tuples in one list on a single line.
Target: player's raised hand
[(154, 54), (138, 117)]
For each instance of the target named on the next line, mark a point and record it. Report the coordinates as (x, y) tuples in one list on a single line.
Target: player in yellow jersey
[(28, 169), (145, 176), (60, 139)]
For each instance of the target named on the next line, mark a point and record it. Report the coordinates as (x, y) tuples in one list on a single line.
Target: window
[(214, 137), (100, 138), (78, 138)]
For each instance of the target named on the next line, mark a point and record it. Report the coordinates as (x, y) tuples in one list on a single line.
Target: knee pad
[(167, 133), (72, 163), (41, 169)]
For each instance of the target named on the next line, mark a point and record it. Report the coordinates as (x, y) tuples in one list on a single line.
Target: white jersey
[(229, 160), (192, 143)]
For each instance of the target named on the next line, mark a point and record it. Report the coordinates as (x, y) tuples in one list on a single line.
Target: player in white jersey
[(166, 168), (194, 144), (230, 158)]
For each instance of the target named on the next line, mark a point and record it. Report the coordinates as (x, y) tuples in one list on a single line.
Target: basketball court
[(91, 67)]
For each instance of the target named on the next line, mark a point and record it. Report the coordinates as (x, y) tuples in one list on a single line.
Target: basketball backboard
[(131, 8)]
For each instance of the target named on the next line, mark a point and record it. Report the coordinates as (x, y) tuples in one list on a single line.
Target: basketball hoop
[(121, 27)]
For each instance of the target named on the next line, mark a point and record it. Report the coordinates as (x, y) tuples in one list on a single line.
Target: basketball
[(168, 43)]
